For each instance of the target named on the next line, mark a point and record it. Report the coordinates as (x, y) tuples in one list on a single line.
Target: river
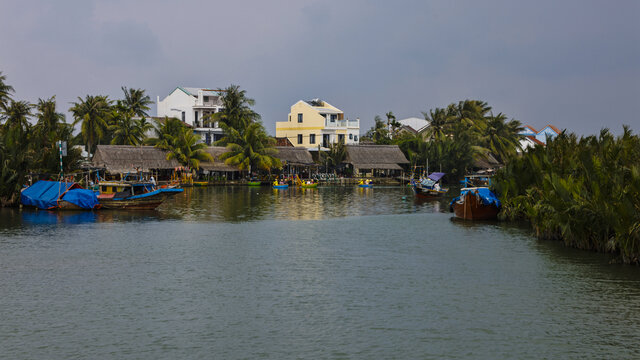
[(335, 272)]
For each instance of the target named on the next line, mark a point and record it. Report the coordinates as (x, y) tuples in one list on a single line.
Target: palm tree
[(15, 115), (250, 149), (49, 119), (439, 123), (379, 134), (186, 149), (166, 130), (335, 155), (5, 90), (126, 130), (236, 112), (502, 138), (136, 101), (93, 112)]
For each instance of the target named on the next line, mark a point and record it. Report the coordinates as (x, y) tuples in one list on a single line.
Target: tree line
[(27, 148), (456, 137)]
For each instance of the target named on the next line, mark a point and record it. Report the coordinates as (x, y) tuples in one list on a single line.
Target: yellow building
[(316, 122)]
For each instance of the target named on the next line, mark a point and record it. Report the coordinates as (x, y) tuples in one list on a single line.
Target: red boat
[(477, 203)]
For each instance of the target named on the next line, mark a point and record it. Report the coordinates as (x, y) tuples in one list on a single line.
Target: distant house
[(192, 106), (316, 122), (541, 136), (528, 142), (414, 125)]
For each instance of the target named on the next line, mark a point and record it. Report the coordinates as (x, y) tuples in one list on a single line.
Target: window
[(350, 136), (196, 117), (206, 99), (355, 138), (299, 118), (289, 118), (334, 117), (183, 117), (340, 137), (299, 138), (312, 139)]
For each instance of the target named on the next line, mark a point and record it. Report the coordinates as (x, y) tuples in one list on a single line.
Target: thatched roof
[(217, 164), (489, 163), (126, 158), (294, 155), (375, 156)]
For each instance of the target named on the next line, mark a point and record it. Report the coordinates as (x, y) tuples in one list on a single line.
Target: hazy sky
[(574, 64)]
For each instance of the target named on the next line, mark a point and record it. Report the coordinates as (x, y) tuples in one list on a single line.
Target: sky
[(573, 64)]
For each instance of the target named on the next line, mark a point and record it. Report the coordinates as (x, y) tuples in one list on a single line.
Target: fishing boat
[(475, 203), (59, 195), (133, 195), (429, 187), (366, 183), (254, 183), (200, 183)]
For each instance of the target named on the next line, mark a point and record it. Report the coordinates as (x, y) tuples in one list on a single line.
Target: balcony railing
[(342, 123)]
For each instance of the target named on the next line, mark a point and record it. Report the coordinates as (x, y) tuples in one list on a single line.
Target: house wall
[(313, 123), (547, 131), (175, 103)]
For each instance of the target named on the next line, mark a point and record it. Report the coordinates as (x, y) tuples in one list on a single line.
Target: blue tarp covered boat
[(51, 195)]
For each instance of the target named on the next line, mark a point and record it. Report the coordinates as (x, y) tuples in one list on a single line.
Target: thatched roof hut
[(375, 157), (118, 159), (489, 162), (217, 164), (294, 155)]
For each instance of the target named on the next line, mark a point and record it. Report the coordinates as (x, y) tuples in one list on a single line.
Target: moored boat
[(309, 185), (280, 185), (429, 187), (58, 195), (254, 183), (133, 195), (476, 203)]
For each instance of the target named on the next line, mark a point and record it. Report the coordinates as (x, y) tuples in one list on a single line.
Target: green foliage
[(185, 148), (236, 112), (93, 114), (250, 149), (335, 155), (583, 191), (5, 91), (379, 133)]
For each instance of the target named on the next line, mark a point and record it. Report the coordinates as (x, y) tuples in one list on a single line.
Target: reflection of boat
[(133, 195), (365, 183), (59, 195), (476, 203)]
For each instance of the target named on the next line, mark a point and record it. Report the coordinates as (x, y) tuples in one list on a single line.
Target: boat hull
[(429, 193), (365, 185), (280, 186), (471, 207), (309, 186), (147, 201), (254, 183)]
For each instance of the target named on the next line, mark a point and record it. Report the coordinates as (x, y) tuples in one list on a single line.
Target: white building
[(414, 124), (192, 106)]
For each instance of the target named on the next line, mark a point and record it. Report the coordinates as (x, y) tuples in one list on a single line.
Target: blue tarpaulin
[(45, 195), (485, 194)]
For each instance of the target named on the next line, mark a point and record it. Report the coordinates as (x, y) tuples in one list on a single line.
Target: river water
[(336, 273)]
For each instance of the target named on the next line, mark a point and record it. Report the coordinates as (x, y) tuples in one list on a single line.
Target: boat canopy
[(436, 176), (45, 195), (487, 196)]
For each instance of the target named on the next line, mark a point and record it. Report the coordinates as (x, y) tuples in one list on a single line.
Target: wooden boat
[(58, 195), (280, 185), (309, 186), (429, 188), (365, 183), (476, 203), (200, 183), (133, 195), (254, 183)]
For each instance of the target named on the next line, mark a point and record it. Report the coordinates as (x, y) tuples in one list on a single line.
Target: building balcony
[(346, 123)]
